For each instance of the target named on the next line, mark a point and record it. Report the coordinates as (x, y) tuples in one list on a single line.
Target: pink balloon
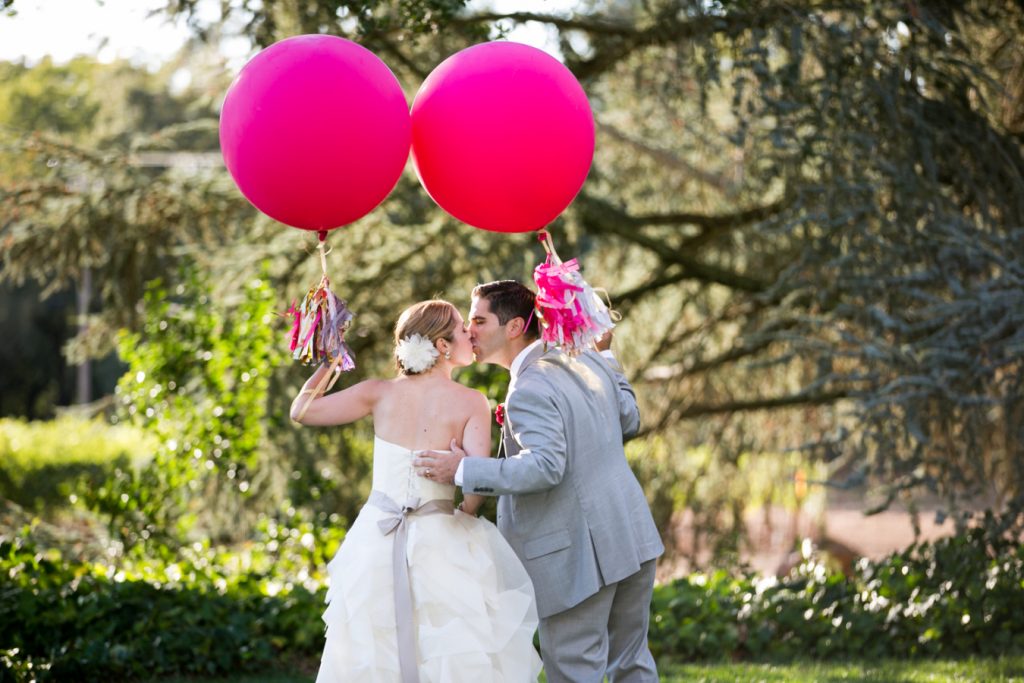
[(315, 131), (502, 136)]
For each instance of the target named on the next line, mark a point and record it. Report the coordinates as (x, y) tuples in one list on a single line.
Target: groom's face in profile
[(485, 332)]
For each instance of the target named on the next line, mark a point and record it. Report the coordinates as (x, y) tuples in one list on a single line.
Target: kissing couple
[(422, 591)]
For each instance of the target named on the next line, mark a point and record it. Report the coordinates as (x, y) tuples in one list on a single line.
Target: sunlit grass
[(963, 671)]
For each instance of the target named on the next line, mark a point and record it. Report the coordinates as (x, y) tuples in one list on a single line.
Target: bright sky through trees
[(129, 29)]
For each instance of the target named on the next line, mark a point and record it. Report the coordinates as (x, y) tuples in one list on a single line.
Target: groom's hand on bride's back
[(439, 466)]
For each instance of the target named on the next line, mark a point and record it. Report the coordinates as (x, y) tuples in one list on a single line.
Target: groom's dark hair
[(509, 299)]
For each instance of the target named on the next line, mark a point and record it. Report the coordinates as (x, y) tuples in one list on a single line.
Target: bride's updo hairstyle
[(426, 321)]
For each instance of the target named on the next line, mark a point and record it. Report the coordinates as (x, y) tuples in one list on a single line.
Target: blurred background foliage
[(811, 215)]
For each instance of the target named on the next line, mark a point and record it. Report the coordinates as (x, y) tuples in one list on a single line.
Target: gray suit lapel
[(506, 429)]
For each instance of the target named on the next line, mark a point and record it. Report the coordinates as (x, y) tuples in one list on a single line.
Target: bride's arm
[(338, 408), (476, 439)]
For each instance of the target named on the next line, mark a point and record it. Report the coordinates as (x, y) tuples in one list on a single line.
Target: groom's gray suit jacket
[(570, 506)]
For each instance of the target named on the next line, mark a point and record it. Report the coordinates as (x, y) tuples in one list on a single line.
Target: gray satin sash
[(397, 521)]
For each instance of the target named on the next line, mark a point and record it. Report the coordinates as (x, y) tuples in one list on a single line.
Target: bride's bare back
[(422, 409), (424, 413)]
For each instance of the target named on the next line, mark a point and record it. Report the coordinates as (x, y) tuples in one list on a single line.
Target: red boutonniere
[(499, 414)]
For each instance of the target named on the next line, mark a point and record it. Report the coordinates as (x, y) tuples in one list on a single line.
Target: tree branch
[(669, 29), (664, 157), (713, 221), (574, 22), (601, 217), (392, 49), (621, 39), (663, 279), (704, 409)]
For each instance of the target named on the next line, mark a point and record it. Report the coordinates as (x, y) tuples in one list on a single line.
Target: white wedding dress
[(472, 614)]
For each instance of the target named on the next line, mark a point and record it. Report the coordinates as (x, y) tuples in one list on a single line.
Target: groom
[(570, 507)]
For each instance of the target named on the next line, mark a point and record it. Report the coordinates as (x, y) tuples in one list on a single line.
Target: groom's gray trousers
[(604, 634)]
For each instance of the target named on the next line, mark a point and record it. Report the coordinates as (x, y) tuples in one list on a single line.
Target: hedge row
[(41, 461), (953, 598), (90, 623), (956, 597)]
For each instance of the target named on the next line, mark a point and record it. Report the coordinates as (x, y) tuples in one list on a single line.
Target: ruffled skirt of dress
[(473, 604)]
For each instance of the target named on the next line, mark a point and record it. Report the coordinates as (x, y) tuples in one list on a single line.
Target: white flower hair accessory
[(416, 353)]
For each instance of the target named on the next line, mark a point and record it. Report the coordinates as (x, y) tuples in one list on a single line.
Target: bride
[(419, 591)]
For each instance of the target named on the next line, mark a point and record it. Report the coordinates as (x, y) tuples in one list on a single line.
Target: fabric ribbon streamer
[(571, 313), (397, 522), (318, 330)]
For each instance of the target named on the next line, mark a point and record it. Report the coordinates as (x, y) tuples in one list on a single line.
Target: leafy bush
[(41, 461), (955, 597), (213, 611), (197, 382), (204, 611)]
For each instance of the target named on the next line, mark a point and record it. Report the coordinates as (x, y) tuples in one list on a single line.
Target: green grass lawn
[(966, 671), (970, 671)]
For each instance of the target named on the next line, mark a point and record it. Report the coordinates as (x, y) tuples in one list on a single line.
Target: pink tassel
[(571, 313)]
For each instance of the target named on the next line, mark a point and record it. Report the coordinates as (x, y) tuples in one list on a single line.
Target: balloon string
[(322, 387), (321, 247), (545, 239), (612, 313)]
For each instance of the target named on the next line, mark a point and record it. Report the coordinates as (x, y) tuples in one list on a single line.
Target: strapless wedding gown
[(467, 603)]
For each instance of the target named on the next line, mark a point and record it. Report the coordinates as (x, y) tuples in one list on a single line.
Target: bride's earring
[(447, 355)]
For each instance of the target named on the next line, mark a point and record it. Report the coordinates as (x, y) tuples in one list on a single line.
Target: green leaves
[(197, 381), (270, 20), (40, 462), (85, 623), (955, 597), (207, 610)]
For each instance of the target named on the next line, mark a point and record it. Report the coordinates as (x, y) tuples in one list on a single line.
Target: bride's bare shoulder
[(469, 397), (375, 388)]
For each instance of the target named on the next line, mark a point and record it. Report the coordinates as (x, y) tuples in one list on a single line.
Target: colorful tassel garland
[(571, 313), (317, 336), (319, 326)]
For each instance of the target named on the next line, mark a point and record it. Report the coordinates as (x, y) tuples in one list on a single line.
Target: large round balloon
[(315, 130), (502, 136)]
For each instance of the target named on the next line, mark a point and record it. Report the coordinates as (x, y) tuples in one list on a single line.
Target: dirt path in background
[(774, 537)]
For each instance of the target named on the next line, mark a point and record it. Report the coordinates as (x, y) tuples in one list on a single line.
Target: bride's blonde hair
[(434, 319)]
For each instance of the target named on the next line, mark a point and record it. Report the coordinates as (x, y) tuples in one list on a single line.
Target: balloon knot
[(323, 235), (542, 235)]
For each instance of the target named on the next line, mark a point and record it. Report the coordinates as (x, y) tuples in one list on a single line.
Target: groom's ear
[(515, 327)]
